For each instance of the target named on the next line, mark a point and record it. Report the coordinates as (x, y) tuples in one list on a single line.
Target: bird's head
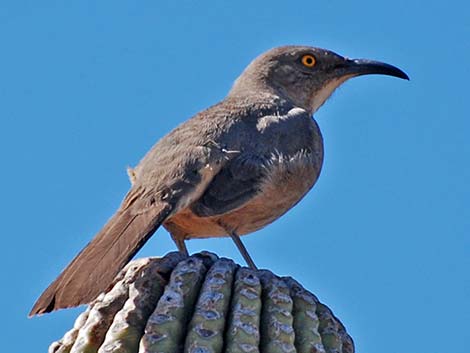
[(306, 76)]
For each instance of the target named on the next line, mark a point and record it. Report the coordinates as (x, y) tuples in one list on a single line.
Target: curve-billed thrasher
[(228, 171)]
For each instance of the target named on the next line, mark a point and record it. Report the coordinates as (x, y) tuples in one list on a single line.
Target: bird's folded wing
[(233, 186)]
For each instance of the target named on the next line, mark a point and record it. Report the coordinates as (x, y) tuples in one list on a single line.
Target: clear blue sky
[(383, 239)]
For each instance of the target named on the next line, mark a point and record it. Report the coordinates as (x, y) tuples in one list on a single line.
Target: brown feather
[(94, 268)]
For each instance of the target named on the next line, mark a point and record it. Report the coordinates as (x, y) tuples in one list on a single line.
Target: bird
[(228, 171)]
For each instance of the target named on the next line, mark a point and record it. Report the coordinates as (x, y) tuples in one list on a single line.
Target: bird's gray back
[(257, 126)]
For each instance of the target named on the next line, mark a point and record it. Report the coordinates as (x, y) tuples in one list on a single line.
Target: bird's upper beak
[(358, 67)]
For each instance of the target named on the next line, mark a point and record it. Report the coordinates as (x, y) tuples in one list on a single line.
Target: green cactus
[(165, 328), (203, 304), (242, 334), (206, 328)]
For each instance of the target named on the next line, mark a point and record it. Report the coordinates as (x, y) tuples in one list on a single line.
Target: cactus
[(204, 304)]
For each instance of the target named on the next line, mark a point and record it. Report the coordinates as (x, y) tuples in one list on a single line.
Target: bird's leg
[(182, 247), (179, 241), (238, 242), (236, 238)]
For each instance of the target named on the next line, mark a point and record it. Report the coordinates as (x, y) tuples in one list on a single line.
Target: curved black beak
[(359, 67)]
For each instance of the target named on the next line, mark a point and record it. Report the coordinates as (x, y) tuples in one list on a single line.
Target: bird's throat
[(322, 95)]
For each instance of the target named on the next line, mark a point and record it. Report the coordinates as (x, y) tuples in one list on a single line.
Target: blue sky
[(86, 89)]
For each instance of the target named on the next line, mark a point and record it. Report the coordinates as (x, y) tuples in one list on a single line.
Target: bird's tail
[(94, 268)]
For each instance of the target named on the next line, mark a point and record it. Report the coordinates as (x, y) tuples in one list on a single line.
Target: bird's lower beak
[(358, 67)]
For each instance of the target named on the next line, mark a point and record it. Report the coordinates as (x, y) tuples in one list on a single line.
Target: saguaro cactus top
[(204, 304)]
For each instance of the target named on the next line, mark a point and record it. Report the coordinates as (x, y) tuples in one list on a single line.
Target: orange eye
[(308, 60)]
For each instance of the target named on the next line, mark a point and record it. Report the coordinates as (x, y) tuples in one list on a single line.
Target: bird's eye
[(308, 60)]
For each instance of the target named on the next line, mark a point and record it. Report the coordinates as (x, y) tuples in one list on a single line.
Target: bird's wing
[(234, 185)]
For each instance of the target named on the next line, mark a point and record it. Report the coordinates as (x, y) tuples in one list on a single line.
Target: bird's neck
[(260, 89), (259, 92)]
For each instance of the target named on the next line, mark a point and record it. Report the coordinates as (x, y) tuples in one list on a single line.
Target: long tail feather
[(94, 268)]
